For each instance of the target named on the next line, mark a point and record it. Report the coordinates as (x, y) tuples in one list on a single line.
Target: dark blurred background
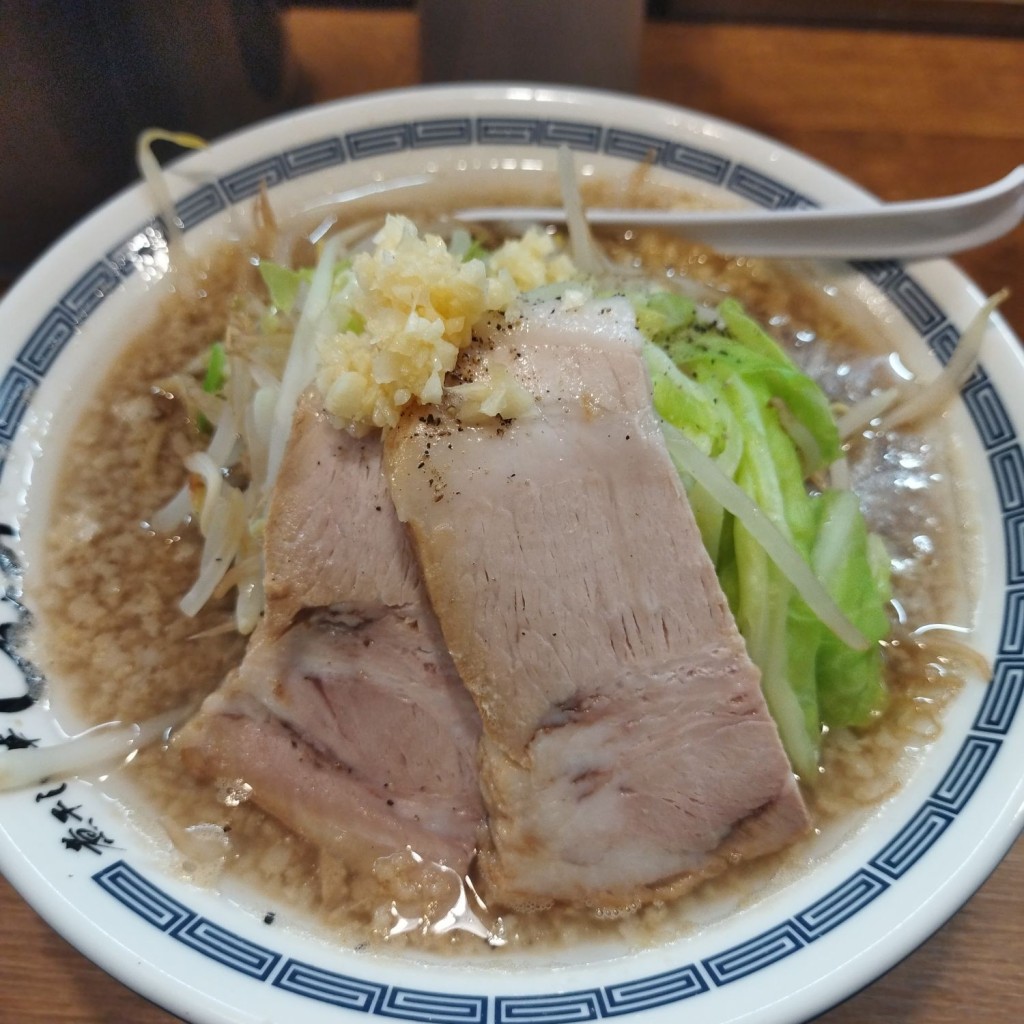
[(998, 17), (79, 80)]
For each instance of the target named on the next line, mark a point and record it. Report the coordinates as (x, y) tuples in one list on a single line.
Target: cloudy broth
[(111, 632)]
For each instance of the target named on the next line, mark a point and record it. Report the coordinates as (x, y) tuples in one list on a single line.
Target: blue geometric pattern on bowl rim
[(981, 746)]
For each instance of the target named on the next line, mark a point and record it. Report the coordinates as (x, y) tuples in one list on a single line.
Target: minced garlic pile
[(416, 304)]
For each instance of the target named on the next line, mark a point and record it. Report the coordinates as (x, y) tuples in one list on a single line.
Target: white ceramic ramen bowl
[(781, 957)]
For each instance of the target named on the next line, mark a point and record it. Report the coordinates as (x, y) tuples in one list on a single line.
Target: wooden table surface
[(905, 115)]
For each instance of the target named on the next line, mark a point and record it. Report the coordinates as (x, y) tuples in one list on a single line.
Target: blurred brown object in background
[(581, 42)]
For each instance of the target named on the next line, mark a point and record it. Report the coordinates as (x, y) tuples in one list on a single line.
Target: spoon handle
[(906, 230)]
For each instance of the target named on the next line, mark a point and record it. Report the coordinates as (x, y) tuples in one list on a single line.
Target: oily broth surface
[(110, 631)]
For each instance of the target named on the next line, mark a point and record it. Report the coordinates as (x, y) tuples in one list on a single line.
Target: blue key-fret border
[(902, 853)]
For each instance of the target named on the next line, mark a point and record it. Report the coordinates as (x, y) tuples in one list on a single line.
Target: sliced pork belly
[(627, 748), (346, 718)]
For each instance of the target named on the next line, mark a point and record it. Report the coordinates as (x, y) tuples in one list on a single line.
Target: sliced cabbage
[(807, 584)]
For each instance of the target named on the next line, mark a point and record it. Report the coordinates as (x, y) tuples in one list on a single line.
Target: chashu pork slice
[(346, 717), (627, 749)]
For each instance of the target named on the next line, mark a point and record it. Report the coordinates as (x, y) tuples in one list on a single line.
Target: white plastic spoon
[(908, 230)]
